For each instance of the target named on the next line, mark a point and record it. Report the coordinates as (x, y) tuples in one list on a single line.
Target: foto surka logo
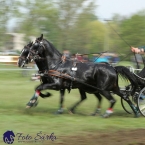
[(8, 137)]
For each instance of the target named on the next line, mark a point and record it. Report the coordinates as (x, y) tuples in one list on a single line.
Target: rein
[(124, 41), (93, 53)]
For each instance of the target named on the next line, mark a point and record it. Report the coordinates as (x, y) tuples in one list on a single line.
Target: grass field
[(15, 92)]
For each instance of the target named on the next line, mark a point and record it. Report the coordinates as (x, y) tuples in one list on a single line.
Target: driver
[(139, 50)]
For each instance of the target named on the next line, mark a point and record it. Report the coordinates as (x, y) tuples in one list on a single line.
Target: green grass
[(15, 92)]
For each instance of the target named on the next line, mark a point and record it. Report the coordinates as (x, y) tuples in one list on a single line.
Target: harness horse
[(41, 64), (87, 77)]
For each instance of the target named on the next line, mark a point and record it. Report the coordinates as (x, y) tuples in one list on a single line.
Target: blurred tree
[(123, 32), (37, 17), (96, 36), (113, 36), (6, 12), (133, 31), (114, 32), (74, 18), (81, 34), (63, 22)]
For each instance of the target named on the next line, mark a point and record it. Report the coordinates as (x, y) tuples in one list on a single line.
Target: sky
[(106, 8)]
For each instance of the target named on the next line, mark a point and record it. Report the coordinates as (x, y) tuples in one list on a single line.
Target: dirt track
[(132, 137)]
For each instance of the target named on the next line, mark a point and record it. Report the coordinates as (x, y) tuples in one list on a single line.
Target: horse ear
[(28, 43), (41, 37)]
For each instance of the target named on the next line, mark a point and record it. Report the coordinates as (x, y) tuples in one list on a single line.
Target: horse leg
[(60, 110), (112, 101), (98, 109), (83, 97), (126, 98), (34, 99), (45, 95)]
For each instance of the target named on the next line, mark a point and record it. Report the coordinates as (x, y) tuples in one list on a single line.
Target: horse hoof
[(137, 115), (71, 112), (32, 103), (95, 114), (106, 115), (59, 112)]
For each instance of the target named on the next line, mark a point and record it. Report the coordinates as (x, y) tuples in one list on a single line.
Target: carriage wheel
[(126, 106), (141, 102)]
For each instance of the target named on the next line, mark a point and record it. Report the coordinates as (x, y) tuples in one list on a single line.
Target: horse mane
[(53, 47)]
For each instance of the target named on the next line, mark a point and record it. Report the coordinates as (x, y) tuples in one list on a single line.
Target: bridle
[(35, 55), (23, 58)]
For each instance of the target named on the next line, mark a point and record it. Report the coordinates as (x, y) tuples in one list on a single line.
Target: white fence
[(6, 69)]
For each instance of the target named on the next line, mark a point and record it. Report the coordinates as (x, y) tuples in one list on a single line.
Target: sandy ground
[(130, 137)]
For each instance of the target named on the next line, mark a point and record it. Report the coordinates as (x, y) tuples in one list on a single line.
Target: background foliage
[(72, 25)]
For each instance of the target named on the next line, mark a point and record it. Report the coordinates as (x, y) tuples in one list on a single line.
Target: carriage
[(63, 73), (138, 98)]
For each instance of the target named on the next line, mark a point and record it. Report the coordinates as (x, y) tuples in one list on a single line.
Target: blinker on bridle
[(34, 54)]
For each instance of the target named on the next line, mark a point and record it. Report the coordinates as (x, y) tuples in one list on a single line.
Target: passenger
[(101, 58)]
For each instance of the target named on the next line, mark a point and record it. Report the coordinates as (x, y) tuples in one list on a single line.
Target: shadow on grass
[(52, 111)]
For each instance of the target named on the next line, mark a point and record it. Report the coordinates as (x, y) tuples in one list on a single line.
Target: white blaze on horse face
[(28, 56), (23, 64), (22, 52)]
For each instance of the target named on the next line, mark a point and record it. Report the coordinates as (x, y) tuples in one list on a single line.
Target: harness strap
[(60, 75), (66, 76)]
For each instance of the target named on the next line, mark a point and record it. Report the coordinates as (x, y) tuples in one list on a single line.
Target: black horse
[(87, 77), (42, 66)]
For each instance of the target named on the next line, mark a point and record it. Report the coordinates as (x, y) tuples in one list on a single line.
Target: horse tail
[(126, 74)]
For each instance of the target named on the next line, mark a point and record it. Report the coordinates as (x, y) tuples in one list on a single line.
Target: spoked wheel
[(126, 106), (141, 102), (133, 99)]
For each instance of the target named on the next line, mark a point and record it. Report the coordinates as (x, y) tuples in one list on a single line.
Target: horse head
[(28, 54), (37, 49), (24, 54), (43, 49)]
